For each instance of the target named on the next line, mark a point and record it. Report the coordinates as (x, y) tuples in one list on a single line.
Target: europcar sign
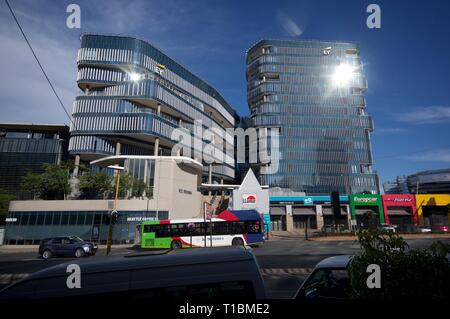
[(365, 200)]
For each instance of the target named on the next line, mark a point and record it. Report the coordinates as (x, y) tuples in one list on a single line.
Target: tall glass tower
[(314, 92)]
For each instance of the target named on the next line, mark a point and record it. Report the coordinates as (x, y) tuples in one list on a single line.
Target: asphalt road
[(285, 263)]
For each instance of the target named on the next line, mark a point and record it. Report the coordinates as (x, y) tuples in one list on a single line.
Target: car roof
[(178, 257), (341, 261)]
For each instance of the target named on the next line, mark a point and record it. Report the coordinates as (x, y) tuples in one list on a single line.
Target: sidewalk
[(312, 236), (5, 249)]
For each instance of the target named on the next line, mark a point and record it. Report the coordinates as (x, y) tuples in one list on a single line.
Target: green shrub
[(405, 273)]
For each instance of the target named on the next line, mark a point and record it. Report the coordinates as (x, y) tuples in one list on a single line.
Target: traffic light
[(114, 216), (336, 204)]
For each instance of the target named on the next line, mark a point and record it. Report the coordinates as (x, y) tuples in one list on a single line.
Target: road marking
[(6, 279), (286, 271)]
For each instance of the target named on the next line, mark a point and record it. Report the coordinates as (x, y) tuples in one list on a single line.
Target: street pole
[(110, 229)]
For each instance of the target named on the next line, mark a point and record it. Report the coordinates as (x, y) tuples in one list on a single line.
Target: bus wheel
[(237, 242), (176, 244)]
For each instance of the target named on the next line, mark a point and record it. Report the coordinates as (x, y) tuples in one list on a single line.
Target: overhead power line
[(39, 63)]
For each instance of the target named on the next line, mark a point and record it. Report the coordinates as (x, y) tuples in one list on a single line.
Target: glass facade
[(314, 93), (24, 148), (134, 94), (28, 228)]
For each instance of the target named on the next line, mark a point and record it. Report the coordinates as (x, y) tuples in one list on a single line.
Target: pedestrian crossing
[(6, 279), (286, 271)]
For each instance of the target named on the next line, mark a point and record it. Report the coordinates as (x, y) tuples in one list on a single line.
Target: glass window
[(97, 218), (56, 218), (40, 218), (65, 218), (32, 220), (73, 218), (81, 217), (49, 218), (24, 219), (89, 218), (106, 218)]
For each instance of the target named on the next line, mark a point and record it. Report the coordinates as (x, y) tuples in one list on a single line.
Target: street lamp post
[(114, 211)]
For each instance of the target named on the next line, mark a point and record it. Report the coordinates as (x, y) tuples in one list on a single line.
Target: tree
[(53, 183), (5, 198), (405, 273), (128, 186), (94, 185)]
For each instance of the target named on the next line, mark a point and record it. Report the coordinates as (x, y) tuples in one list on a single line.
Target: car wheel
[(237, 242), (176, 244), (79, 252), (47, 254)]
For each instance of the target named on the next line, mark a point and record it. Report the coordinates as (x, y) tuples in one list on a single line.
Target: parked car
[(423, 229), (219, 273), (329, 280), (388, 227), (72, 246), (441, 228)]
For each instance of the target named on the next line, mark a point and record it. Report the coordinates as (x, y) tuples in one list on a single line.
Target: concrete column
[(77, 165), (289, 218), (156, 149), (158, 109), (210, 177), (349, 217), (118, 146), (319, 216)]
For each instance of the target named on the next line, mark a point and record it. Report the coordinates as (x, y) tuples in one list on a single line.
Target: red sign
[(249, 199)]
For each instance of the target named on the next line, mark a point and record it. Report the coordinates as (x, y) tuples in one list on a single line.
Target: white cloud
[(426, 115), (442, 155), (387, 130)]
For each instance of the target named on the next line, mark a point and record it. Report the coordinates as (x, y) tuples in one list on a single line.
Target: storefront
[(278, 218), (297, 212), (433, 209), (400, 210), (330, 219), (29, 227), (304, 216), (361, 204)]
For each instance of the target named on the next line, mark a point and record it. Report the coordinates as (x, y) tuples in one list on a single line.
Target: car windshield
[(326, 283)]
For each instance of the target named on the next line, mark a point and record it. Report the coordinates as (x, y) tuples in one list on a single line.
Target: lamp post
[(114, 211)]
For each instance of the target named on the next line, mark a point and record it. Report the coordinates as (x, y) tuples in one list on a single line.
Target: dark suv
[(66, 246)]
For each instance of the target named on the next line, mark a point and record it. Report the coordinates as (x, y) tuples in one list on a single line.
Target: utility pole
[(114, 211)]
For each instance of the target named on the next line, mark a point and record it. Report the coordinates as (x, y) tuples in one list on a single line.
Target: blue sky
[(406, 62)]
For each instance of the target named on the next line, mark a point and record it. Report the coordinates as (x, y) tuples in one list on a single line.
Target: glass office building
[(313, 91), (25, 148), (135, 96)]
